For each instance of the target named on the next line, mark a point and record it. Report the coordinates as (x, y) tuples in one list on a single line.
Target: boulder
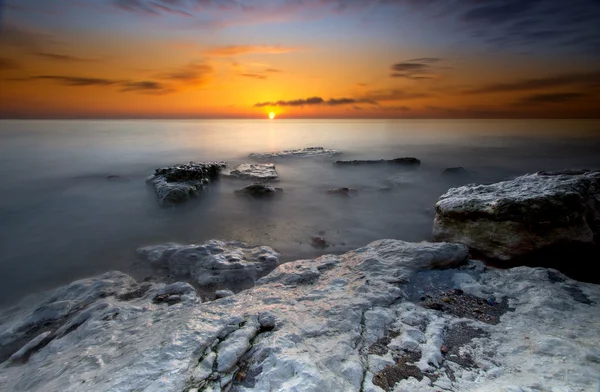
[(213, 262), (307, 152), (178, 183), (335, 323), (253, 171), (258, 190), (517, 219), (403, 162)]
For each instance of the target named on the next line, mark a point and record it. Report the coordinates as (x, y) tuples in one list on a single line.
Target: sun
[(271, 115)]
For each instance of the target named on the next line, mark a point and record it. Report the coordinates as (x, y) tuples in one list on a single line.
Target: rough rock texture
[(258, 190), (253, 171), (178, 183), (513, 219), (307, 152), (213, 262), (336, 323), (405, 162)]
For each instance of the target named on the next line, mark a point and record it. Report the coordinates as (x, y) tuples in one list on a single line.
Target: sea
[(74, 201)]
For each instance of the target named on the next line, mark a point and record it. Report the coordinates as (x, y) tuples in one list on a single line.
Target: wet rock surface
[(404, 162), (259, 190), (516, 220), (307, 152), (178, 183), (253, 171), (219, 263), (338, 323), (458, 171)]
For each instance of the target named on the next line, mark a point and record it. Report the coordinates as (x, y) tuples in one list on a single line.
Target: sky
[(299, 58)]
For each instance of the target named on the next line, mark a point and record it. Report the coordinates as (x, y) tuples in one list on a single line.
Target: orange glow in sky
[(310, 59)]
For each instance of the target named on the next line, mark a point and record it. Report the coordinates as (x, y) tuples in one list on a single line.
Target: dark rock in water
[(513, 221), (455, 172), (406, 162), (299, 153), (178, 183), (319, 242), (385, 189), (258, 190), (346, 192)]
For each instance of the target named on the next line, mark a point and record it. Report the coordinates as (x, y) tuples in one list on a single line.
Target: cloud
[(60, 57), (78, 81), (314, 101), (582, 79), (155, 8), (22, 38), (552, 98), (253, 75), (394, 95), (235, 50), (145, 86), (6, 63), (196, 73), (273, 70), (416, 69)]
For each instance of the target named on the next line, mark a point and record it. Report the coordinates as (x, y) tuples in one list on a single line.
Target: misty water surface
[(73, 201)]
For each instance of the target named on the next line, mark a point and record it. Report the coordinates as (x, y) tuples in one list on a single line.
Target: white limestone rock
[(213, 262), (253, 171), (307, 152), (316, 336), (512, 219), (178, 183)]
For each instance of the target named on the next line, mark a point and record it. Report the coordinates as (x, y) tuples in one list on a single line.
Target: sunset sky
[(300, 58)]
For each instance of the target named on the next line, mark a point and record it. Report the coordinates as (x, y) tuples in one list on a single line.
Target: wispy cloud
[(194, 73), (416, 69), (582, 79), (155, 8), (60, 57), (552, 98), (6, 63), (314, 101), (124, 85), (253, 76), (146, 87), (236, 50), (78, 81)]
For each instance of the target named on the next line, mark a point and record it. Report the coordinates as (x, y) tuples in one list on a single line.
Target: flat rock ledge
[(178, 183), (516, 219), (404, 162), (307, 152), (335, 323), (253, 171), (213, 263)]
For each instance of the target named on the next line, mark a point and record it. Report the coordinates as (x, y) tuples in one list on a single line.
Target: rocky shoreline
[(390, 316)]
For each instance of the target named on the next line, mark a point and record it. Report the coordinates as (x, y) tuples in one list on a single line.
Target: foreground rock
[(180, 182), (307, 152), (218, 263), (259, 190), (404, 162), (515, 219), (336, 323), (253, 171)]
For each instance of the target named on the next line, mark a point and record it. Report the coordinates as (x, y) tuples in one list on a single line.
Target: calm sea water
[(62, 217)]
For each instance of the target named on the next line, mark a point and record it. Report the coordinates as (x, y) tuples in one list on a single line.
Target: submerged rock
[(405, 162), (455, 172), (346, 192), (180, 182), (213, 262), (516, 219), (258, 190), (299, 153), (337, 323), (253, 171)]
